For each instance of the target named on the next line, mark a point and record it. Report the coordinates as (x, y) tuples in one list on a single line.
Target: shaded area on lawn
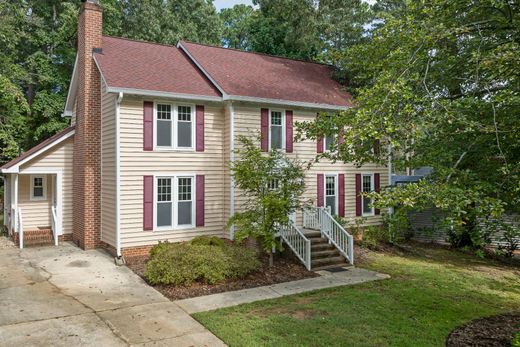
[(432, 291)]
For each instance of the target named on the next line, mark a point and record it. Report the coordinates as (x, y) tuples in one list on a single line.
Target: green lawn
[(431, 292)]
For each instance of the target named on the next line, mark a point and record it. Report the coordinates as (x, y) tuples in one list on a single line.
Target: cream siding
[(136, 163), (108, 169), (247, 122), (58, 157), (35, 213)]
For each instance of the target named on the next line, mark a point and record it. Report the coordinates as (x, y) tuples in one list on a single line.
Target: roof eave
[(72, 92), (161, 94), (282, 102)]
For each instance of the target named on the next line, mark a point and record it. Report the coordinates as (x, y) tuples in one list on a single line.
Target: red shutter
[(320, 192), (264, 128), (376, 188), (200, 201), (199, 130), (341, 195), (288, 131), (148, 202), (319, 145), (148, 126), (358, 195)]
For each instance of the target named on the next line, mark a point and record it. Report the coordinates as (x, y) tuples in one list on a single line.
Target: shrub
[(516, 340), (185, 263), (208, 241)]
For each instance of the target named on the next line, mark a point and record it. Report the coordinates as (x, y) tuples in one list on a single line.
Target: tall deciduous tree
[(237, 26), (439, 81)]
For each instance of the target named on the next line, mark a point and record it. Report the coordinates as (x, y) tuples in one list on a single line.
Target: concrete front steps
[(323, 254), (35, 238)]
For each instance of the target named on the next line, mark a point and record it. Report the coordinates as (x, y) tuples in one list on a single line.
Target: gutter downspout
[(119, 259), (231, 160)]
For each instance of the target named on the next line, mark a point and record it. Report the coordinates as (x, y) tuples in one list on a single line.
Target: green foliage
[(272, 185), (516, 340), (506, 232), (398, 225), (437, 81), (208, 241), (237, 26), (204, 260)]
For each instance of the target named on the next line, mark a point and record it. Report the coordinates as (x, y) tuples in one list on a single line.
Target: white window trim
[(44, 186), (336, 192), (372, 185), (283, 129), (175, 201), (174, 121)]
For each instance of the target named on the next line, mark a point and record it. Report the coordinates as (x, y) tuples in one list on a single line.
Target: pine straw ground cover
[(432, 291)]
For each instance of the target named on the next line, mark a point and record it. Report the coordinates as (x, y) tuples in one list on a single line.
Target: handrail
[(54, 225), (310, 218), (336, 234), (19, 226), (298, 242)]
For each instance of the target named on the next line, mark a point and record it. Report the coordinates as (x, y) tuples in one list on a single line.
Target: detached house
[(152, 131)]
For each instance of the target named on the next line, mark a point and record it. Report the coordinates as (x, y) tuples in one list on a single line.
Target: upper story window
[(367, 186), (276, 130), (175, 128), (38, 187)]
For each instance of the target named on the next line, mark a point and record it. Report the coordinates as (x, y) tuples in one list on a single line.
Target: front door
[(331, 193)]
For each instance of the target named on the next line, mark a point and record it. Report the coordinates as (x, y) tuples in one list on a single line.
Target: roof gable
[(254, 75), (141, 65)]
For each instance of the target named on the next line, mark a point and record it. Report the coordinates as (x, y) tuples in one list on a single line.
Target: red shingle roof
[(39, 146), (264, 76), (141, 65)]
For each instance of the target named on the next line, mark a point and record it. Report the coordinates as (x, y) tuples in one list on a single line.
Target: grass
[(432, 291)]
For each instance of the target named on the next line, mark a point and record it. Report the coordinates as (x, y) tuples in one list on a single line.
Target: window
[(272, 184), (184, 125), (329, 140), (38, 187), (185, 203), (330, 193), (174, 209), (164, 125), (174, 124), (367, 186), (276, 130), (164, 202)]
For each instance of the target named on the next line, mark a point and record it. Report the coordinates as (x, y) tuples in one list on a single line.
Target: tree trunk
[(271, 259)]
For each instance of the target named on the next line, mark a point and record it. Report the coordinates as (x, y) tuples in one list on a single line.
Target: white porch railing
[(299, 244), (55, 225), (19, 226), (320, 218)]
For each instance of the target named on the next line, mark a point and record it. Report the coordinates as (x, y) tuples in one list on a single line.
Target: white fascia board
[(160, 94), (103, 80), (71, 94), (285, 103), (16, 167), (185, 50)]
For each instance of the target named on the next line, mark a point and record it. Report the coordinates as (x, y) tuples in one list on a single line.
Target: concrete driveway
[(63, 296)]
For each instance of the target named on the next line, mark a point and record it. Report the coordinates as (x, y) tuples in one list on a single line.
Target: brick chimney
[(87, 148)]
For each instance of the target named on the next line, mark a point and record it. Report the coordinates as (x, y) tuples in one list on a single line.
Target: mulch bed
[(495, 331), (285, 269)]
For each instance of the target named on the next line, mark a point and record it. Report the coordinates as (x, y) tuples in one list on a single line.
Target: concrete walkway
[(63, 296), (326, 280)]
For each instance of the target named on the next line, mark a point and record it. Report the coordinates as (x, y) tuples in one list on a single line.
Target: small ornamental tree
[(272, 185)]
